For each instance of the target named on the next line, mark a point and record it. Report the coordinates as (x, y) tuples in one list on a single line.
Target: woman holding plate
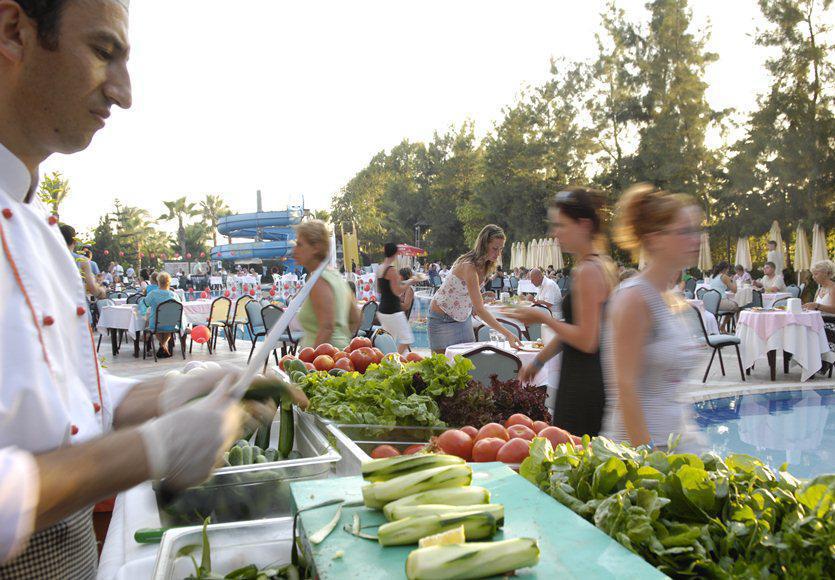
[(575, 222)]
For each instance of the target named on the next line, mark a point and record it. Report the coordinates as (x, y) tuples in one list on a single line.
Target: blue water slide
[(272, 231)]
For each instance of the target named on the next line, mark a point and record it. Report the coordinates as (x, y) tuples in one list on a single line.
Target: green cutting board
[(570, 547)]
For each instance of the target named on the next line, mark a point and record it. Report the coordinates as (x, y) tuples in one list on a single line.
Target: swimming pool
[(795, 427)]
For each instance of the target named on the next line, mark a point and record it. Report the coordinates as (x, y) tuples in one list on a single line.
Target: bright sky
[(294, 98)]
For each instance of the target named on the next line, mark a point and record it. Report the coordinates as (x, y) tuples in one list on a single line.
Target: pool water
[(794, 427)]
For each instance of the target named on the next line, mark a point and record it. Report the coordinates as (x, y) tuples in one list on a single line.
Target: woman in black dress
[(575, 221)]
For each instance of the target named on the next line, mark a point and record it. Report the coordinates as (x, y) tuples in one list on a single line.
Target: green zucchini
[(247, 455), (236, 456), (270, 454), (262, 436), (286, 427), (260, 459), (148, 535)]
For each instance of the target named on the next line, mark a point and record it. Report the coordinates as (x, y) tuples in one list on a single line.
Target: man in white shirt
[(772, 281), (775, 256), (68, 436), (548, 293)]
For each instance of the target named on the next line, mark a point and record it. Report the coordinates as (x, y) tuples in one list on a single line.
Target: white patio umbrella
[(801, 250), (642, 259), (774, 234), (537, 261), (818, 245), (512, 255), (556, 252), (523, 255), (743, 254), (705, 261)]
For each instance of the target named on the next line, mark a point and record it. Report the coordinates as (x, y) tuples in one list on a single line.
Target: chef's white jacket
[(52, 392)]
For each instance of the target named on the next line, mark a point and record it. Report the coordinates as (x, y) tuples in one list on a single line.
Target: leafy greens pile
[(694, 516), (391, 393), (477, 405)]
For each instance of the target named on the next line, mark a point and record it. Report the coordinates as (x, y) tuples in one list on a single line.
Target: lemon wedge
[(449, 537)]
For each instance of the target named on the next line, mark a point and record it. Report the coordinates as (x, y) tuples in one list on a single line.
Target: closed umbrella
[(705, 261), (514, 256), (523, 254), (819, 252), (556, 251), (743, 254), (801, 250), (774, 234), (642, 259)]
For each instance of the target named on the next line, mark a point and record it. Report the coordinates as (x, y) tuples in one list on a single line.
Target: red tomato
[(284, 359), (359, 342), (521, 432), (344, 363), (492, 430), (555, 435), (539, 426), (403, 359), (412, 449), (309, 366), (360, 360), (519, 419), (378, 355), (471, 431), (307, 354), (323, 362), (340, 354), (456, 442), (487, 448), (414, 357), (326, 348), (384, 451), (514, 451)]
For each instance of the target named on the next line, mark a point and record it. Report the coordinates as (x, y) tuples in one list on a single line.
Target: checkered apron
[(65, 551)]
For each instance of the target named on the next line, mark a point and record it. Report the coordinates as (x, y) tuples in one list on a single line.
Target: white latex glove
[(184, 445), (197, 380)]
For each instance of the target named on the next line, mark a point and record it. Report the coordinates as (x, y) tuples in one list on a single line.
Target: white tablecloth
[(806, 344), (124, 317), (744, 296), (119, 301), (548, 376), (196, 311)]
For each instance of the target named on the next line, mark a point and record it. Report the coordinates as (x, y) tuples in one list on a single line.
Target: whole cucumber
[(236, 456), (286, 427)]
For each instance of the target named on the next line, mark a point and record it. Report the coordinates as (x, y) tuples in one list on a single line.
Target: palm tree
[(214, 208), (53, 190), (322, 215), (180, 210)]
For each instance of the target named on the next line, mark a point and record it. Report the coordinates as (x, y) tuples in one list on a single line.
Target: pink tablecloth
[(767, 323)]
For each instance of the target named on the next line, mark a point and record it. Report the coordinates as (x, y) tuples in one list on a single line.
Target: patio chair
[(134, 298), (289, 340), (512, 327), (366, 328), (384, 341), (218, 318), (490, 361), (716, 341), (270, 315), (794, 290), (168, 319), (534, 331), (96, 312), (514, 284), (711, 299), (781, 302), (254, 324), (690, 286), (239, 320), (115, 295)]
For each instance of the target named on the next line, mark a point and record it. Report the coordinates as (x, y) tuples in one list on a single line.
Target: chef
[(68, 438)]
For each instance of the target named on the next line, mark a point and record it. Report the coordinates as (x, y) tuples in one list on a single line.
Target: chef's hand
[(197, 380), (183, 446)]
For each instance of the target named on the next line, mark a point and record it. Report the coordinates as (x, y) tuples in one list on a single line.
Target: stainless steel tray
[(233, 545), (254, 491)]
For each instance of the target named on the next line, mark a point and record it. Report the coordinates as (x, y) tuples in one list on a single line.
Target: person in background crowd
[(119, 271), (443, 272), (775, 256), (407, 297), (823, 273), (330, 314), (647, 349), (496, 282), (459, 297), (549, 294), (130, 273), (108, 278), (87, 251), (575, 221), (741, 277), (70, 434), (771, 280), (82, 263), (722, 283), (144, 280), (152, 283), (148, 308), (391, 285)]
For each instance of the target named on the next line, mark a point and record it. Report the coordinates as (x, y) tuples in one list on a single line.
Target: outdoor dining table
[(799, 335), (548, 375), (744, 296)]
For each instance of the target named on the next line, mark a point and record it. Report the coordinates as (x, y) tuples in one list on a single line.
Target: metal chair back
[(512, 327), (369, 311), (113, 295), (240, 314), (169, 316), (780, 302), (794, 290), (711, 299), (134, 298), (690, 286), (491, 361), (219, 313), (700, 292), (514, 283), (384, 341), (270, 315), (253, 317), (757, 299)]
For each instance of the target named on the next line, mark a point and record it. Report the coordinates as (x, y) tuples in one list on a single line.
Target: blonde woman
[(823, 273), (459, 297), (330, 313)]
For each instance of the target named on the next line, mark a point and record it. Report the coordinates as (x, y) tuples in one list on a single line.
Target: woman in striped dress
[(647, 350)]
